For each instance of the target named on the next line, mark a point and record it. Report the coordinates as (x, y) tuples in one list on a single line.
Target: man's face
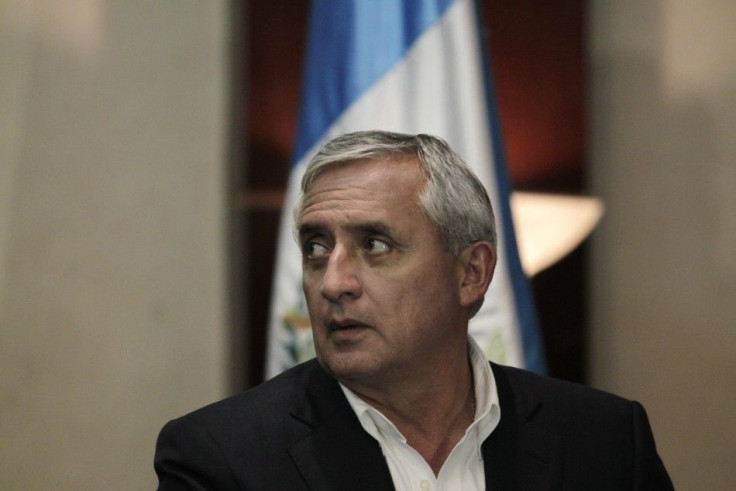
[(383, 295)]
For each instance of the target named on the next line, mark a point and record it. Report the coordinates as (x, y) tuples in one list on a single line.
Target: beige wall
[(663, 156), (112, 233)]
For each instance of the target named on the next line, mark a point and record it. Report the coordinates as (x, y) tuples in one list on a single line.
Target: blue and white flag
[(411, 66)]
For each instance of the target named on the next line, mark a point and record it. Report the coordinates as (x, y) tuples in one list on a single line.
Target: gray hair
[(453, 198)]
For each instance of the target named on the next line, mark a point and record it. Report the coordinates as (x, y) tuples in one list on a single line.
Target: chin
[(351, 366)]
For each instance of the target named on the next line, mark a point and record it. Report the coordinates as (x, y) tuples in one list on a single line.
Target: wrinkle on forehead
[(342, 198), (361, 185)]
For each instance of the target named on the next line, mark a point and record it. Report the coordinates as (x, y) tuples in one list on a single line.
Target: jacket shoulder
[(603, 441), (241, 439), (530, 389), (266, 403)]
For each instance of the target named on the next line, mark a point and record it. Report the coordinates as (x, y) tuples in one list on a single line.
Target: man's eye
[(376, 246), (315, 250)]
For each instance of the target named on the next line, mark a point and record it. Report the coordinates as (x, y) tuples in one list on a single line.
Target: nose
[(341, 278)]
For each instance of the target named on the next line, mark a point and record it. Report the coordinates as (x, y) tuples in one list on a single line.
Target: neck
[(432, 413)]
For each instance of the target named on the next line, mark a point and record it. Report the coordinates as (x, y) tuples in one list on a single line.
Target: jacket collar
[(519, 454), (337, 453)]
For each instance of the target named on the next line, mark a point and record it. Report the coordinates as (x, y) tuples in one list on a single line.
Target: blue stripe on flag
[(351, 44), (534, 357)]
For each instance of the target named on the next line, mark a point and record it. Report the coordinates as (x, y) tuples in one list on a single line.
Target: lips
[(345, 324)]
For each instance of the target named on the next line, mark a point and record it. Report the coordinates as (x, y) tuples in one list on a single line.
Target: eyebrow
[(308, 229), (372, 227)]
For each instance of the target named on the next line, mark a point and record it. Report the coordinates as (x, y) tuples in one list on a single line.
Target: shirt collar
[(487, 409)]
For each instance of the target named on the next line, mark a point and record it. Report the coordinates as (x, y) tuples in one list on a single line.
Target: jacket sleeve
[(188, 458), (649, 471)]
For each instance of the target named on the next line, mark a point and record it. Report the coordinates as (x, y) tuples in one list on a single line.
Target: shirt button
[(425, 484)]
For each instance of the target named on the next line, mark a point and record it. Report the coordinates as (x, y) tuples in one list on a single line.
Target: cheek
[(408, 297), (313, 297), (432, 290), (310, 285)]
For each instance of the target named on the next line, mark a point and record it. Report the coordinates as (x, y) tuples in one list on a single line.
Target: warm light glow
[(550, 226)]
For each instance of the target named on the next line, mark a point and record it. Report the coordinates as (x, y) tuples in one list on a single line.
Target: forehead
[(386, 168), (385, 183)]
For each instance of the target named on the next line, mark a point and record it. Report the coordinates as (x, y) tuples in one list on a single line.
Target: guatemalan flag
[(410, 66)]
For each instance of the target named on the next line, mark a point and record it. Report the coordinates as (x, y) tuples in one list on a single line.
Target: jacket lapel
[(518, 454), (337, 454)]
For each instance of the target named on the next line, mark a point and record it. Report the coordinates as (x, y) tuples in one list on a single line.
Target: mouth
[(336, 325)]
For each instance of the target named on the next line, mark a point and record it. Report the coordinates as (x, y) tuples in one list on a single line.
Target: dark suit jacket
[(298, 432)]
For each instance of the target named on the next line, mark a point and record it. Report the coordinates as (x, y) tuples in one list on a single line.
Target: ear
[(478, 261)]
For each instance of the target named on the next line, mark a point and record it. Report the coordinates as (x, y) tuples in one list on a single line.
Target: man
[(398, 244)]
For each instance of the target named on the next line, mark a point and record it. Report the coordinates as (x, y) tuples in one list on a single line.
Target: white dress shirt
[(463, 468)]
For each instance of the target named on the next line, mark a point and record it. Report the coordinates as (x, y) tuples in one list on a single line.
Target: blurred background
[(144, 151)]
